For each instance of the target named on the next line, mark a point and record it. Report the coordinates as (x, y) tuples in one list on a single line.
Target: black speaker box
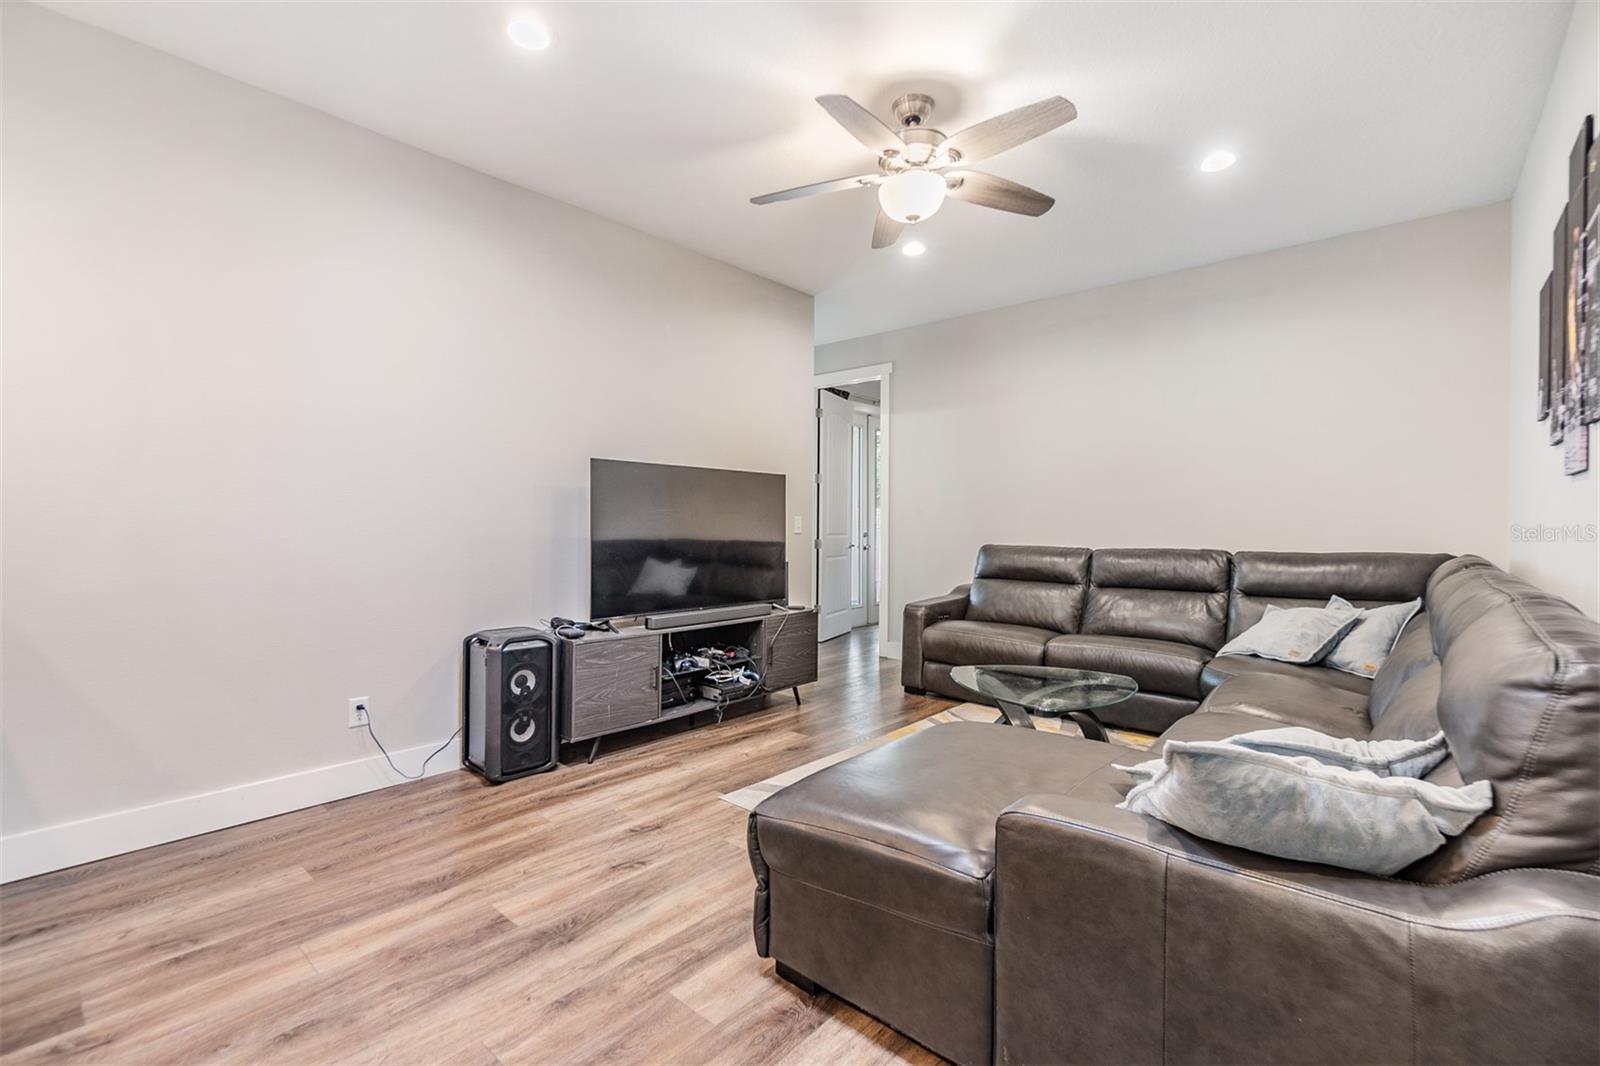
[(509, 682)]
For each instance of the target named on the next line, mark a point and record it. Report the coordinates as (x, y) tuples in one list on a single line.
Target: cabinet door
[(615, 684), (790, 642)]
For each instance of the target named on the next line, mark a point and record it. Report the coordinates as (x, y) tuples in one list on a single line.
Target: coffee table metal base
[(1016, 714)]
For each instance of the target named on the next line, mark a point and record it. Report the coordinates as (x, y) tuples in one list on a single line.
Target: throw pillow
[(1299, 807), (1364, 648), (1300, 635)]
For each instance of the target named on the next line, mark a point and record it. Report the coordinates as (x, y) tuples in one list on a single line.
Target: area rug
[(751, 795)]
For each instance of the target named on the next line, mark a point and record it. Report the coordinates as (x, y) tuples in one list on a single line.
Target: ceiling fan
[(918, 166)]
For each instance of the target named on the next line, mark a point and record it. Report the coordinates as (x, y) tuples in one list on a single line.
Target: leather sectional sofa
[(975, 886), (1157, 615)]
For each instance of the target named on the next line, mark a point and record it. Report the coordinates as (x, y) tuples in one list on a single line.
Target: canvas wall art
[(1569, 311)]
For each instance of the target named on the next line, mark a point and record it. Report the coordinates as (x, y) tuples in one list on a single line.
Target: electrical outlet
[(359, 706)]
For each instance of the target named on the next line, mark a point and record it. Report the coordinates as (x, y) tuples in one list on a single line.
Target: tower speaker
[(510, 700)]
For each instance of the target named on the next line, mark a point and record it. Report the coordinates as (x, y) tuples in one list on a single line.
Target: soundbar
[(674, 619)]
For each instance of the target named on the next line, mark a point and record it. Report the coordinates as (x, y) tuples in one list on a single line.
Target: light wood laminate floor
[(597, 913)]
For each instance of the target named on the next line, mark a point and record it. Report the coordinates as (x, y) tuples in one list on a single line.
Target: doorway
[(852, 513)]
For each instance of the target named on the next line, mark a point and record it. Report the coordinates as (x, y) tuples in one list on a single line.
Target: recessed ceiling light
[(1221, 159), (526, 33), (913, 248)]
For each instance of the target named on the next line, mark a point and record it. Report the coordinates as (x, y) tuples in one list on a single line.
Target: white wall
[(1540, 494), (289, 409), (1342, 395)]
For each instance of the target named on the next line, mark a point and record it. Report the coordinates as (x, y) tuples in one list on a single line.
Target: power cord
[(409, 777)]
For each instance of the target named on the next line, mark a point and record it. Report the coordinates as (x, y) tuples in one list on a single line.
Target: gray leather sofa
[(975, 887), (1157, 615)]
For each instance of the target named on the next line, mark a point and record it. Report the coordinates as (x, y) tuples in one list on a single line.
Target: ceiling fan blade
[(995, 135), (885, 231), (836, 185), (986, 190), (863, 125)]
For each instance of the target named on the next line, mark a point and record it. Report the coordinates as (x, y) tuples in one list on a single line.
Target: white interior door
[(844, 575), (872, 501), (835, 551)]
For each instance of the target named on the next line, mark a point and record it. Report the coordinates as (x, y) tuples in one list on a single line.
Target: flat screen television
[(678, 538)]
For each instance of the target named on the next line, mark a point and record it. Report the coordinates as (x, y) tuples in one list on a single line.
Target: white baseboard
[(888, 649), (56, 847)]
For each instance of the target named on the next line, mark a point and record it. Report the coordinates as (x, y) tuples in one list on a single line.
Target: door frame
[(874, 599), (883, 373)]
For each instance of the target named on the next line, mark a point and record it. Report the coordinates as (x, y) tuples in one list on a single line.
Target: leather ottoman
[(874, 877)]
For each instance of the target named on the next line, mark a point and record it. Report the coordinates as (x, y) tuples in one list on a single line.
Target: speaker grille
[(525, 706)]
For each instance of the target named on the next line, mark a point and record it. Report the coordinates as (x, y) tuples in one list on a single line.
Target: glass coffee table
[(1050, 691)]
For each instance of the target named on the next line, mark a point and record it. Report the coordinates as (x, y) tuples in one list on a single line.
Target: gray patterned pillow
[(1300, 635), (1364, 648)]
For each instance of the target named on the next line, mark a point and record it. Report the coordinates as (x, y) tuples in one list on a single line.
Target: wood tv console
[(612, 682)]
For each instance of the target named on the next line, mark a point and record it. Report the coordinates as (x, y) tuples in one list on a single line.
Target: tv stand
[(613, 682), (707, 615)]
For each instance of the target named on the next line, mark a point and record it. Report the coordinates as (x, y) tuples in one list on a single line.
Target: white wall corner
[(888, 649)]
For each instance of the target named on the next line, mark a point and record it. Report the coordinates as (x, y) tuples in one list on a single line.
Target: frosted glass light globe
[(912, 196)]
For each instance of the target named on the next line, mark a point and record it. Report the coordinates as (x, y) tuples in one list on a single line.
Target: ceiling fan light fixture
[(526, 33), (912, 196), (914, 174)]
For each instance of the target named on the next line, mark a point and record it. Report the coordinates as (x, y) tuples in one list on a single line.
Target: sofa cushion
[(964, 642), (1028, 585), (1412, 712), (1307, 579), (1173, 594), (1033, 562), (909, 827), (1303, 701), (1412, 653), (1148, 712), (1157, 665), (1519, 702), (1212, 725), (1458, 596), (1219, 670)]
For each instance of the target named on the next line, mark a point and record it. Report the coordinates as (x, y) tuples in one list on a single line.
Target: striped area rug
[(749, 796)]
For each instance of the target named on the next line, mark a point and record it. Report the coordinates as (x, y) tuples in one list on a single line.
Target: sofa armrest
[(1121, 939), (920, 614)]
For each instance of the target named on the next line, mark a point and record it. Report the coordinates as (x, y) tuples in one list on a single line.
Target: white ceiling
[(670, 116)]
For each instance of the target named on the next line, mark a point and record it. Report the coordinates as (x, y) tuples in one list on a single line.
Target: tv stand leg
[(797, 695), (594, 749)]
